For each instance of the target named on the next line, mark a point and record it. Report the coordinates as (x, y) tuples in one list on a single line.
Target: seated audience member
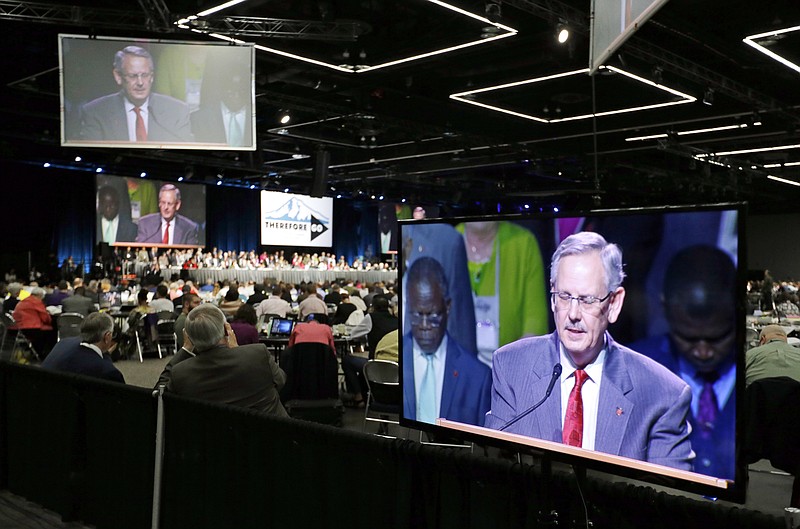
[(302, 292), (275, 304), (88, 353), (57, 295), (374, 290), (773, 357), (178, 301), (259, 294), (190, 301), (334, 296), (343, 310), (244, 325), (355, 299), (231, 302), (388, 348), (288, 292), (312, 331), (10, 303), (313, 304), (375, 325), (91, 289), (221, 370), (142, 305), (78, 303), (786, 304), (161, 301), (31, 317)]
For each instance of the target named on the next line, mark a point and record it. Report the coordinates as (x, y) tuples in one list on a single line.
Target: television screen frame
[(88, 82), (193, 207), (689, 481)]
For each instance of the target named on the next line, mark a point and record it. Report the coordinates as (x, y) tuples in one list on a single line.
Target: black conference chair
[(384, 398), (311, 391), (772, 410), (165, 337), (69, 325)]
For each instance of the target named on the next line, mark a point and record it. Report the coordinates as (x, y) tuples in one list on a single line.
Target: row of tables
[(295, 276)]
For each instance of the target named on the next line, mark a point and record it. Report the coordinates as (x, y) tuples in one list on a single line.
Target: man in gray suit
[(78, 303), (166, 226), (135, 114), (607, 397), (221, 371)]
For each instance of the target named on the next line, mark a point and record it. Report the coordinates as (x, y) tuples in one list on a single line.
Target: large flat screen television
[(609, 338), (156, 94), (152, 213)]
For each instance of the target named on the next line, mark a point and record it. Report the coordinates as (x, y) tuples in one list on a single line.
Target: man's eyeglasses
[(591, 304), (434, 319), (137, 77)]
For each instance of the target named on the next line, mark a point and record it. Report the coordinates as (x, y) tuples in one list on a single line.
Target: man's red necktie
[(572, 433), (141, 132), (165, 240)]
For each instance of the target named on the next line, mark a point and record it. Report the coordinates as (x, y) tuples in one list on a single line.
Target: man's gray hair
[(136, 51), (170, 187), (39, 292), (14, 289), (205, 326), (95, 326), (585, 242)]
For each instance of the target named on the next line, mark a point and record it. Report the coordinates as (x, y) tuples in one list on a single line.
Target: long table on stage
[(201, 275)]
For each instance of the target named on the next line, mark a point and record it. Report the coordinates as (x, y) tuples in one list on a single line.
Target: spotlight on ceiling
[(658, 74), (284, 117), (708, 97), (562, 32)]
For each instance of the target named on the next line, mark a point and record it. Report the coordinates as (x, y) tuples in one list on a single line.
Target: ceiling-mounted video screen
[(156, 94), (153, 213), (613, 339)]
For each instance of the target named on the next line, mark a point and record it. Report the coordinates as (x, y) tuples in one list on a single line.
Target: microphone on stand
[(556, 374)]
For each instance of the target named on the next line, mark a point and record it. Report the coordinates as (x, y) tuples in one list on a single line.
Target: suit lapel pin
[(455, 373), (619, 412)]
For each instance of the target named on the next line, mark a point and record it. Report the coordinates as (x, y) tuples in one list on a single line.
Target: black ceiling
[(429, 147)]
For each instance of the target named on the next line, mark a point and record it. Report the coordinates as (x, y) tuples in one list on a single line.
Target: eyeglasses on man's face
[(137, 77), (591, 304), (434, 319)]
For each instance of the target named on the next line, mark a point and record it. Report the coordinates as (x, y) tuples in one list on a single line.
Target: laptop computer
[(280, 328)]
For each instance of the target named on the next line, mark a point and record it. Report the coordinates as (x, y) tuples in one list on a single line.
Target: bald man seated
[(773, 357)]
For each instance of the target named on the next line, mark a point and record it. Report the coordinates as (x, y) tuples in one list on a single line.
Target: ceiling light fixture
[(464, 97), (562, 33), (690, 132), (708, 97), (284, 117), (783, 180), (503, 32), (751, 41), (748, 151), (774, 165), (219, 7)]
